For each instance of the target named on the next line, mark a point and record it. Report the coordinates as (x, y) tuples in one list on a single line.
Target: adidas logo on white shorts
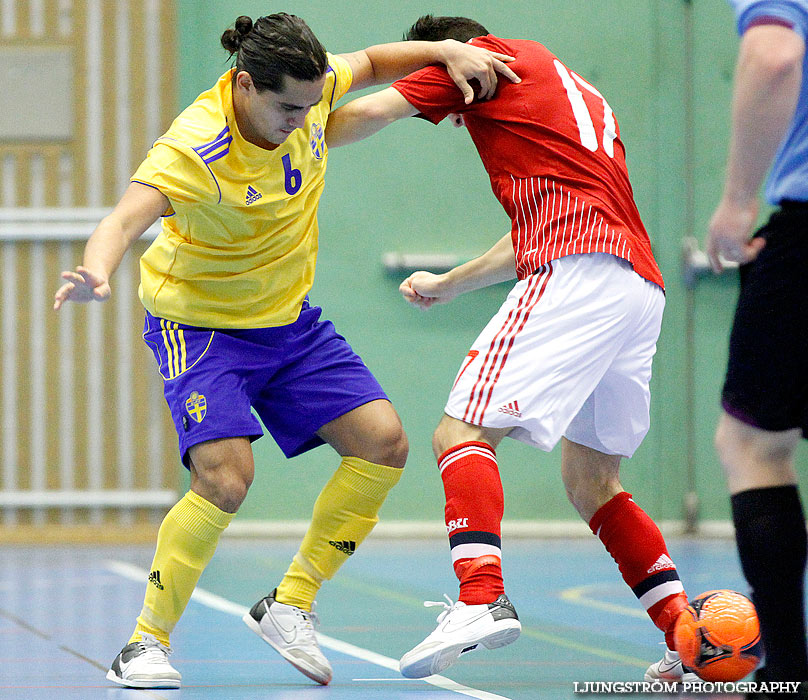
[(512, 409)]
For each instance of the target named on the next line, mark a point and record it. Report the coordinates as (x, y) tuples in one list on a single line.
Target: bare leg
[(592, 480)]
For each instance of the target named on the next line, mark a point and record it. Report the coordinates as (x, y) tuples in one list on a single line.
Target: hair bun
[(244, 25), (233, 38)]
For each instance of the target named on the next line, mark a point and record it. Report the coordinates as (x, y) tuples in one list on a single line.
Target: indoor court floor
[(65, 612)]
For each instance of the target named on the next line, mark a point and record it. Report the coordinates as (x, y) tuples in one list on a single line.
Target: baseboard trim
[(54, 534), (417, 529)]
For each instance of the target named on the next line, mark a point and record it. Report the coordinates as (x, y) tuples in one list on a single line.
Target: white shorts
[(568, 353)]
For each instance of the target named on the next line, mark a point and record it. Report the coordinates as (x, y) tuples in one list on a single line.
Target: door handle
[(696, 264)]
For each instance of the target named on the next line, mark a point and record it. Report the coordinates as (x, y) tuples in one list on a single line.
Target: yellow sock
[(344, 514), (185, 544)]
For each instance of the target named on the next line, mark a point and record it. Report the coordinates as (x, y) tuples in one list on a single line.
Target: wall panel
[(82, 405)]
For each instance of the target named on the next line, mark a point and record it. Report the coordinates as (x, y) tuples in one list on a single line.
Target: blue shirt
[(788, 178)]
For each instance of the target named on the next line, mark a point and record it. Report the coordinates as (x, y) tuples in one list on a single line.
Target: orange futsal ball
[(718, 636)]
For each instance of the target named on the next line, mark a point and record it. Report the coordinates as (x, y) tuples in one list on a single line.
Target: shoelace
[(151, 645), (447, 606), (310, 622)]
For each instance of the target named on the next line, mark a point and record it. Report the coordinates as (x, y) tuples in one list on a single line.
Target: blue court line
[(216, 602)]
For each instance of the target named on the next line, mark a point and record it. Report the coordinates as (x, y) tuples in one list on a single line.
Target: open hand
[(81, 286)]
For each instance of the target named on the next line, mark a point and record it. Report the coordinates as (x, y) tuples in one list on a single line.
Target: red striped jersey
[(552, 149)]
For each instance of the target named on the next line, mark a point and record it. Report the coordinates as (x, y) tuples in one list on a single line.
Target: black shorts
[(767, 374)]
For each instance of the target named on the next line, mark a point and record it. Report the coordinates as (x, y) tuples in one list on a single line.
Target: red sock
[(637, 545), (474, 507)]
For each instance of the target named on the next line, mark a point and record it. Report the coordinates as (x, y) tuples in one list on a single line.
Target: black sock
[(771, 537)]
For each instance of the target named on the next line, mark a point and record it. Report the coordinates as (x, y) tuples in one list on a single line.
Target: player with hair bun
[(237, 180)]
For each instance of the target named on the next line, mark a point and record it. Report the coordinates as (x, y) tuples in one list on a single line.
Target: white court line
[(216, 602)]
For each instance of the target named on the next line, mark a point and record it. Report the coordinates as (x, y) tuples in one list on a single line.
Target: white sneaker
[(289, 630), (144, 664), (461, 628), (670, 668)]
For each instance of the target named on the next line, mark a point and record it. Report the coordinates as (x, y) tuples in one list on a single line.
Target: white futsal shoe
[(461, 628), (670, 668), (290, 631), (144, 664)]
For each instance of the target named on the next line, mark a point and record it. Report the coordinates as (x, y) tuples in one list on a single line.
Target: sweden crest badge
[(317, 140), (197, 406)]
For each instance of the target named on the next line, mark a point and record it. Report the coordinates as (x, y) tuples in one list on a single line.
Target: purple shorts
[(297, 378)]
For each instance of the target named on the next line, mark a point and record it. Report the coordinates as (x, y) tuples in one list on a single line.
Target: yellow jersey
[(238, 247)]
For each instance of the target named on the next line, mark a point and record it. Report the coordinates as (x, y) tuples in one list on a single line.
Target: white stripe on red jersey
[(551, 147), (551, 222)]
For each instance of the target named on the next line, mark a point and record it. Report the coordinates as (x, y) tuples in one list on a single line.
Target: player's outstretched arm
[(138, 209), (384, 63), (498, 264), (366, 115), (767, 86)]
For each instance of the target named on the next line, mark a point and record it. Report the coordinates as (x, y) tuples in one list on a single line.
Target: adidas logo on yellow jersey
[(253, 195)]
